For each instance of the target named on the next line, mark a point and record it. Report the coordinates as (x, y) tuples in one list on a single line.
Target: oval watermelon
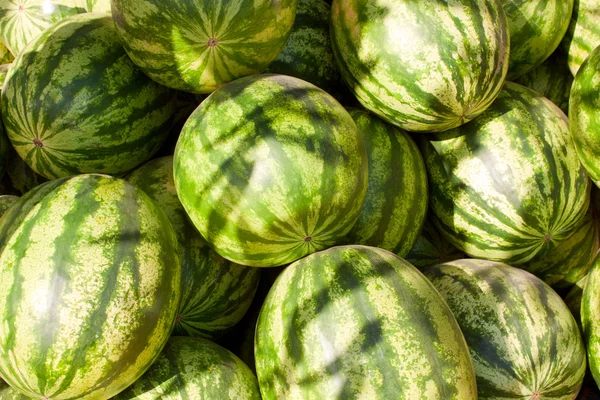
[(270, 168), (536, 28), (198, 46), (359, 322), (552, 79), (509, 184), (583, 34), (422, 65), (584, 117), (21, 21), (432, 248), (89, 288), (74, 102), (215, 293), (193, 368), (524, 342), (394, 209)]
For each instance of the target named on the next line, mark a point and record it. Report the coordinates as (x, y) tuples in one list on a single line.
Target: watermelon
[(394, 209), (6, 56), (590, 312), (573, 299), (508, 185), (21, 21), (307, 53), (536, 29), (584, 118), (432, 248), (524, 342), (8, 393), (271, 168), (423, 66), (193, 368), (563, 264), (552, 79), (583, 34), (87, 107), (89, 287), (215, 293), (359, 322), (196, 45), (6, 202)]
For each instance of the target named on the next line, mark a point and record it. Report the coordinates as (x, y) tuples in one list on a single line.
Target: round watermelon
[(524, 342), (198, 45), (271, 168), (422, 65), (432, 248), (193, 368), (536, 28), (89, 288), (552, 79), (359, 322), (509, 185), (584, 117), (394, 209), (21, 21), (307, 53), (215, 293), (583, 34), (74, 103)]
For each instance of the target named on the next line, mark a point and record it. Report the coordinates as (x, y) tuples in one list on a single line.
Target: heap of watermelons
[(291, 199)]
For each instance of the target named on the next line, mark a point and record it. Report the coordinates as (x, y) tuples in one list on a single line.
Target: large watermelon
[(552, 79), (89, 288), (536, 28), (307, 53), (394, 209), (5, 55), (524, 342), (584, 117), (423, 66), (198, 45), (509, 184), (73, 102), (21, 21), (271, 168), (432, 248), (215, 293), (192, 368), (583, 34), (359, 322)]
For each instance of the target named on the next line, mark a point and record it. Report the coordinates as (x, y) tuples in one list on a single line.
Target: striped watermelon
[(21, 21), (584, 117), (590, 318), (432, 248), (6, 56), (192, 368), (359, 322), (423, 66), (552, 79), (89, 288), (394, 209), (215, 293), (583, 34), (198, 46), (508, 185), (524, 342), (307, 53), (536, 29), (271, 168), (6, 202), (87, 107)]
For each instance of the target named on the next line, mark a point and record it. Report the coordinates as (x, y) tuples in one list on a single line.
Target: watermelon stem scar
[(38, 143), (308, 239), (212, 42)]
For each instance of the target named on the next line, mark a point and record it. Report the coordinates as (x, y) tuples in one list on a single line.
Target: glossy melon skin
[(89, 287), (271, 168), (516, 326), (359, 322), (423, 66), (200, 45)]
